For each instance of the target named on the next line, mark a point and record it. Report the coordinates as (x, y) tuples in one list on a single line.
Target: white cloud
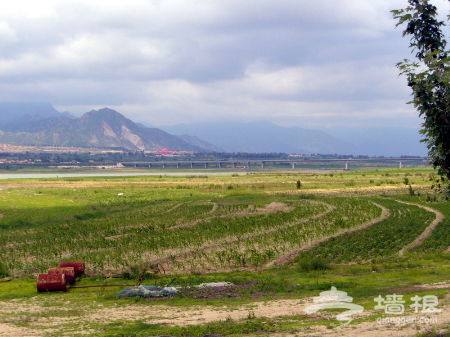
[(7, 33)]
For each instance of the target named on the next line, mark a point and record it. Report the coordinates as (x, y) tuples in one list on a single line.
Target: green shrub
[(350, 183), (3, 270), (314, 264), (307, 196)]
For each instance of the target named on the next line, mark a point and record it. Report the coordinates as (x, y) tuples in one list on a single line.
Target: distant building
[(165, 151)]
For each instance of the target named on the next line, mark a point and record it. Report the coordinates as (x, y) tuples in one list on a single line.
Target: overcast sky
[(292, 62)]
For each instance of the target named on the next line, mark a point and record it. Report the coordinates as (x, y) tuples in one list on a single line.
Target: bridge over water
[(264, 163)]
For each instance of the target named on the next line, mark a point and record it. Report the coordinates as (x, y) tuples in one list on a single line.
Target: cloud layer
[(311, 62)]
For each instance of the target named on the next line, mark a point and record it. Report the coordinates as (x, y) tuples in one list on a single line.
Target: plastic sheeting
[(154, 291), (147, 291)]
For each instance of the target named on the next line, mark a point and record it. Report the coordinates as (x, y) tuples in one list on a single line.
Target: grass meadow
[(281, 239)]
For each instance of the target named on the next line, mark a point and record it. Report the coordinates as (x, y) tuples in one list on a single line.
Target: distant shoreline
[(129, 174)]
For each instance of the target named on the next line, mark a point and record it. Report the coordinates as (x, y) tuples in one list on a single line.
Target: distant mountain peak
[(105, 128), (103, 113), (21, 112)]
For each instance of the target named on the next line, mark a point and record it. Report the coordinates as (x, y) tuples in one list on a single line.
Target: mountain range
[(19, 112), (41, 124), (104, 128), (264, 136)]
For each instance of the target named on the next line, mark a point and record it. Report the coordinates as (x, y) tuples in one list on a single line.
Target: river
[(104, 174)]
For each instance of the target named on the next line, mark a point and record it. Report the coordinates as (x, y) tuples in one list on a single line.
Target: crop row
[(119, 239), (118, 232), (439, 240), (256, 250), (378, 242)]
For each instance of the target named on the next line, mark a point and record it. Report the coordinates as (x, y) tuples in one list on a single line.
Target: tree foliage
[(428, 76)]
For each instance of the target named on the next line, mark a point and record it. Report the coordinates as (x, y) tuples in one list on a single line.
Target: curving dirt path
[(290, 256), (175, 207), (214, 208), (427, 232), (91, 317), (271, 208), (187, 252)]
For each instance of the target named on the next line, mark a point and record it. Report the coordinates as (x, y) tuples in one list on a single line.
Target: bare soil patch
[(196, 314), (245, 290), (201, 314), (8, 330)]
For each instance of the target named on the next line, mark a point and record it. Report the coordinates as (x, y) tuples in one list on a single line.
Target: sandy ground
[(12, 331), (182, 316)]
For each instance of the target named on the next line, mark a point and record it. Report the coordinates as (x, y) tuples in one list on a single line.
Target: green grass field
[(365, 232)]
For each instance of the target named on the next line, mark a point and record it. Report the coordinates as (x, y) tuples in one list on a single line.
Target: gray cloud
[(168, 61)]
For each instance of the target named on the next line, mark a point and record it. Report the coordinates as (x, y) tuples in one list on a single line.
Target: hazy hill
[(41, 124), (195, 141), (200, 143), (268, 137), (20, 112), (382, 141), (263, 137), (102, 128)]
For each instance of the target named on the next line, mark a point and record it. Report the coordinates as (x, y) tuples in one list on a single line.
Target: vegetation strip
[(331, 208), (257, 251), (378, 243), (271, 208), (289, 257), (427, 232), (358, 191), (119, 225)]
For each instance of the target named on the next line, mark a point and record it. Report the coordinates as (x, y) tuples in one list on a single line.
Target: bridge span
[(264, 163)]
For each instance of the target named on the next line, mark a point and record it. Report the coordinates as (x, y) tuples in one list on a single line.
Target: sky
[(307, 63)]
